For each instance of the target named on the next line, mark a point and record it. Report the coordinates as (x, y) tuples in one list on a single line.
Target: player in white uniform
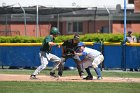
[(92, 58)]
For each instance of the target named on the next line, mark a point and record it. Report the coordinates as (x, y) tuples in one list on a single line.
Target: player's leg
[(87, 64), (77, 60), (61, 66), (89, 76), (95, 64), (44, 63), (57, 61)]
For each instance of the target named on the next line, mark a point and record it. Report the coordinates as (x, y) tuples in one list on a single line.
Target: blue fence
[(27, 56), (113, 56)]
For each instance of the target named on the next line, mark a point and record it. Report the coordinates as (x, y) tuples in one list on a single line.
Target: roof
[(57, 6), (32, 10), (65, 3)]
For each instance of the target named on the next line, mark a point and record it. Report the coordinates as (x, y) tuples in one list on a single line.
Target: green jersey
[(45, 44)]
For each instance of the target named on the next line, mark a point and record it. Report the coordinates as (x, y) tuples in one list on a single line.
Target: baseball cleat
[(88, 78), (60, 74), (82, 74), (33, 77), (83, 77), (99, 78), (52, 74)]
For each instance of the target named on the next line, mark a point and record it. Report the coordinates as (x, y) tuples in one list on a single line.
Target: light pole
[(58, 21), (124, 40), (36, 20), (109, 23), (124, 20), (24, 18)]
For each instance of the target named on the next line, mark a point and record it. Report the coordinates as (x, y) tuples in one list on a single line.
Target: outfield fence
[(27, 54)]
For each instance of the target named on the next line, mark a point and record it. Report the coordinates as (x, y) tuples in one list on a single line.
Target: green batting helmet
[(54, 31)]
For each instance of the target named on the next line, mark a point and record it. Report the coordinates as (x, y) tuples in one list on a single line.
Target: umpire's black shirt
[(69, 44)]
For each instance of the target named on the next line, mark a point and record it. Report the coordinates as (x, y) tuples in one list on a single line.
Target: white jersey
[(91, 53), (92, 57), (131, 39)]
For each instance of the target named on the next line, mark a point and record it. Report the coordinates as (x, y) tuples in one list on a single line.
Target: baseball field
[(18, 81)]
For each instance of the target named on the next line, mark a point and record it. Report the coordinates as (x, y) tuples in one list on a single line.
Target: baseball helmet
[(81, 44), (54, 31)]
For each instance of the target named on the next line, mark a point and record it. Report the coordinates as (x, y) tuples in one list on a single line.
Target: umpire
[(68, 49)]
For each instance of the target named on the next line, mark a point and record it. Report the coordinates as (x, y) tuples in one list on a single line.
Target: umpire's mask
[(76, 37)]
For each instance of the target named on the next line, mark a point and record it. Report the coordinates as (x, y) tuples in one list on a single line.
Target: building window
[(74, 27), (130, 1), (128, 24)]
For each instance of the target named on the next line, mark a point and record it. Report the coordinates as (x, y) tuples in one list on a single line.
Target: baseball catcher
[(68, 51)]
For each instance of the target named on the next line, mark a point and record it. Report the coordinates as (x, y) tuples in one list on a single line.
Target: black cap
[(129, 32)]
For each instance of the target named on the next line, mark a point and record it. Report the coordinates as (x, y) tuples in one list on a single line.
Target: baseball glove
[(69, 52)]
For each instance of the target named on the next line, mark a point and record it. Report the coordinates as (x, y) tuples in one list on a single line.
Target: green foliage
[(62, 38), (85, 38)]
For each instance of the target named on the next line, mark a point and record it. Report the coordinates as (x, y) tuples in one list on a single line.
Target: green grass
[(69, 87)]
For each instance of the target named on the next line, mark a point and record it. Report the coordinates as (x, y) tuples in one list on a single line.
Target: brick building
[(68, 20)]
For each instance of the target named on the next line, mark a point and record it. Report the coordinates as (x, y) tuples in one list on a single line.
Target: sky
[(64, 3)]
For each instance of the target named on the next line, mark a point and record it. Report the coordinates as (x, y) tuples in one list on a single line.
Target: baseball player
[(92, 58), (68, 48), (45, 55)]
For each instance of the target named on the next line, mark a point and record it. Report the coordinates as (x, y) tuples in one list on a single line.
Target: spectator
[(131, 39)]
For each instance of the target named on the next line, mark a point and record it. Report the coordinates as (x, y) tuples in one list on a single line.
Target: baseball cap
[(129, 32)]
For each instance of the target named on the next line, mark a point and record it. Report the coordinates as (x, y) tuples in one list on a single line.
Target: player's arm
[(81, 53), (52, 44), (83, 60)]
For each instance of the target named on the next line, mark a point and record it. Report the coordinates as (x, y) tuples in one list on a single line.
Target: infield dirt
[(15, 77)]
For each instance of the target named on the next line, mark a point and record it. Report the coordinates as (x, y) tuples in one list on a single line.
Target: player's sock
[(98, 71), (88, 71)]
